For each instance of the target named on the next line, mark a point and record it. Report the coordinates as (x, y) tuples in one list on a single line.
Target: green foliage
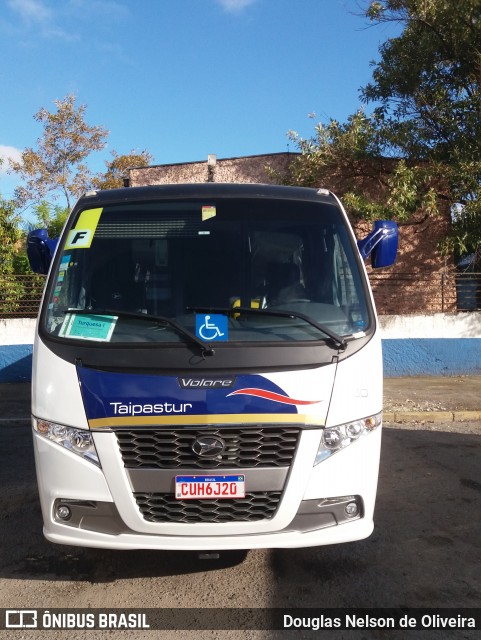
[(427, 81), (55, 168), (421, 148), (408, 192), (340, 148), (21, 265), (50, 217), (10, 289), (465, 237), (428, 88), (9, 234), (118, 167), (351, 159)]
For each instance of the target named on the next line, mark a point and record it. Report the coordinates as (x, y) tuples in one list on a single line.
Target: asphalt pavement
[(416, 399)]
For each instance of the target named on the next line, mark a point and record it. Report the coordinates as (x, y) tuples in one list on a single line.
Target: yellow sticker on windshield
[(208, 212), (81, 237)]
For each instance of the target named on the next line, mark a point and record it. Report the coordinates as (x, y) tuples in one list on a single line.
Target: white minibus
[(207, 370)]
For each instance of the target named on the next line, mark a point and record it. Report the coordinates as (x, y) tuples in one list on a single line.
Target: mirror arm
[(368, 244)]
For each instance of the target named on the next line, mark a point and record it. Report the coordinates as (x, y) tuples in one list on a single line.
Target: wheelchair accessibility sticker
[(210, 327)]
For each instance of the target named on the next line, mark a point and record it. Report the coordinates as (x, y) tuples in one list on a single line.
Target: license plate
[(209, 487)]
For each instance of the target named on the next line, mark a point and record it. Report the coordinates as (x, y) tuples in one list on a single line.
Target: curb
[(431, 416)]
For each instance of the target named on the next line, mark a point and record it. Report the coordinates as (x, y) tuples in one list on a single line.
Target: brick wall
[(248, 169)]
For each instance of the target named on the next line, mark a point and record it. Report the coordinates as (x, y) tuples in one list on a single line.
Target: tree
[(352, 159), (421, 147), (50, 217), (10, 235), (427, 86), (57, 165), (118, 167), (427, 81)]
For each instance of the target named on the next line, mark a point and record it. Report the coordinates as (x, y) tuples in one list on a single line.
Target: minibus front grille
[(163, 507), (242, 447)]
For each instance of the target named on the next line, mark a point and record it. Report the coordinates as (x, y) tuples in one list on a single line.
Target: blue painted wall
[(15, 363), (402, 357), (431, 356)]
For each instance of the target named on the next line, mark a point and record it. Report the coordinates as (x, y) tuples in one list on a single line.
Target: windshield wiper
[(205, 348), (340, 342)]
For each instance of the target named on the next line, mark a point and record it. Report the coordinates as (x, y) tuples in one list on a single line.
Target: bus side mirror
[(381, 244), (40, 250)]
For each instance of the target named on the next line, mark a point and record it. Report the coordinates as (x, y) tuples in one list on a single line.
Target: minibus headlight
[(80, 441), (76, 440), (336, 438)]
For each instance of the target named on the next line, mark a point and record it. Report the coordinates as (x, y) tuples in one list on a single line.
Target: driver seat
[(284, 283)]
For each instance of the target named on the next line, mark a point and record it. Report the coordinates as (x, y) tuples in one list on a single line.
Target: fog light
[(63, 512), (351, 509)]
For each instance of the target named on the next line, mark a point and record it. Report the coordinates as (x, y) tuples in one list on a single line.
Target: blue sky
[(183, 78)]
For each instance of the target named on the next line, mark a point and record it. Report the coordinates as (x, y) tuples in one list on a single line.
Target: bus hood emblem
[(208, 446)]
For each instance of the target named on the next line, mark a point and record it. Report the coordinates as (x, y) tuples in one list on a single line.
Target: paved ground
[(14, 401), (430, 399), (424, 551)]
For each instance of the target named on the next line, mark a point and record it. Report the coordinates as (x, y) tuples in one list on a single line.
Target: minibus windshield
[(123, 266)]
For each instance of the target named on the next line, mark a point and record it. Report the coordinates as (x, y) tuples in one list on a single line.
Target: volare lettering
[(206, 383), (133, 409)]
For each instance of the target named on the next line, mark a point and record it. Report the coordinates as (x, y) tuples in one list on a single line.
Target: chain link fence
[(394, 293)]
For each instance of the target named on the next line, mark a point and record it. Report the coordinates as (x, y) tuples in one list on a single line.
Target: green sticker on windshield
[(88, 327)]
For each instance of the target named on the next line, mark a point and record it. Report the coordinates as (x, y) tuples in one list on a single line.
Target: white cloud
[(35, 14), (111, 8), (235, 6), (31, 10), (7, 153)]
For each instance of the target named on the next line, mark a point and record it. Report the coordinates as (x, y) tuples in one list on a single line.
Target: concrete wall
[(436, 345), (439, 345)]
